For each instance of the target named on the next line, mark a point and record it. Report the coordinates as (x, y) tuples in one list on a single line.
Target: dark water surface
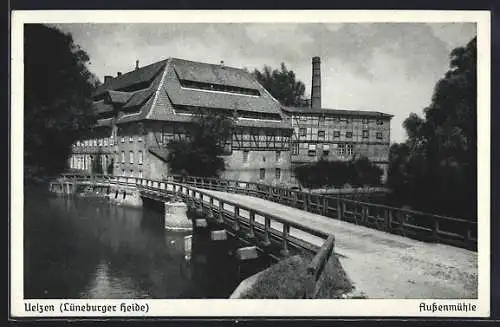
[(88, 248)]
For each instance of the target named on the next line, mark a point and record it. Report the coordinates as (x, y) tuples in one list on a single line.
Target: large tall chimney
[(316, 83), (107, 78)]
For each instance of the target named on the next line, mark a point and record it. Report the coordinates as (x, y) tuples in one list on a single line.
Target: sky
[(386, 67)]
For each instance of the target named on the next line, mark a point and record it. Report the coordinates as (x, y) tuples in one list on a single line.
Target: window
[(131, 138), (123, 139), (349, 149), (140, 158), (343, 120), (140, 173), (105, 141), (295, 148), (245, 156), (278, 156), (278, 173), (123, 156), (365, 120), (131, 157), (131, 173), (263, 158), (336, 133), (262, 173), (379, 135), (302, 132), (341, 150), (321, 135), (321, 119), (311, 150), (139, 138), (365, 133), (380, 122), (348, 135), (123, 172)]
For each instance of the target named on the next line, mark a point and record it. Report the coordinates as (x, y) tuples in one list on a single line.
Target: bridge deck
[(384, 265)]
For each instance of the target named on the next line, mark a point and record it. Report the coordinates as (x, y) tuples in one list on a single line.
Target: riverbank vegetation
[(357, 172), (57, 102), (287, 279), (435, 169)]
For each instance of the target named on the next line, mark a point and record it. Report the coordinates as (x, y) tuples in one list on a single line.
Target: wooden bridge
[(376, 243)]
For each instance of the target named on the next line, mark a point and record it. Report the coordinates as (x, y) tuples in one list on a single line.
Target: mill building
[(140, 111)]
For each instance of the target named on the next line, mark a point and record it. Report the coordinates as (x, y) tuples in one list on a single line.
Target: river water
[(84, 248)]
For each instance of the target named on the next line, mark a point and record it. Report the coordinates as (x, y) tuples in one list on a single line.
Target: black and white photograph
[(219, 157)]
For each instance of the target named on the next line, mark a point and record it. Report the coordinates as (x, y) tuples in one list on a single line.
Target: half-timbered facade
[(141, 111), (339, 135)]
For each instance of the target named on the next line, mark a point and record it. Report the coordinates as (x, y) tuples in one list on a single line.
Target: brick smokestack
[(316, 83)]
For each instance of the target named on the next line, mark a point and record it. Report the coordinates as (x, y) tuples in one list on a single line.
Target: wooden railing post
[(315, 269), (251, 233), (267, 227), (236, 216), (325, 205), (286, 232), (364, 216), (389, 219), (221, 212), (435, 230), (294, 198), (341, 208), (211, 207)]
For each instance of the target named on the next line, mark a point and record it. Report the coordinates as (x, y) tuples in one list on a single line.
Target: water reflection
[(87, 248)]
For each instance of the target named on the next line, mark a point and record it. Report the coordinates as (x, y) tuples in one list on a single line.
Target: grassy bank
[(287, 280)]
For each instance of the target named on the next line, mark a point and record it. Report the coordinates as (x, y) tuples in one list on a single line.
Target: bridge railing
[(238, 215), (406, 222)]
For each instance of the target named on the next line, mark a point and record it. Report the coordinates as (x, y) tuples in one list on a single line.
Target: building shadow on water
[(88, 248)]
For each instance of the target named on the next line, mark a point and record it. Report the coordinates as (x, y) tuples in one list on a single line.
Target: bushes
[(357, 172)]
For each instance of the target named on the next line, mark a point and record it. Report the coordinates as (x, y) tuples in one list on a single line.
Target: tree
[(57, 103), (435, 168), (200, 153), (282, 85), (359, 171)]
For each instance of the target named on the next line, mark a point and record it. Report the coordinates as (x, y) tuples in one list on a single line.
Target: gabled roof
[(101, 107), (139, 76), (221, 75), (212, 74), (335, 112), (118, 96), (155, 91)]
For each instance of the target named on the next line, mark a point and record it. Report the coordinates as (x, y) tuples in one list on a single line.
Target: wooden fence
[(405, 222), (257, 222)]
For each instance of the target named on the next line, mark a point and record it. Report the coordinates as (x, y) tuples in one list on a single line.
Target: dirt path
[(383, 265)]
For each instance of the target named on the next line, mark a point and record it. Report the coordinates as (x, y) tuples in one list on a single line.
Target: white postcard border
[(213, 307)]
